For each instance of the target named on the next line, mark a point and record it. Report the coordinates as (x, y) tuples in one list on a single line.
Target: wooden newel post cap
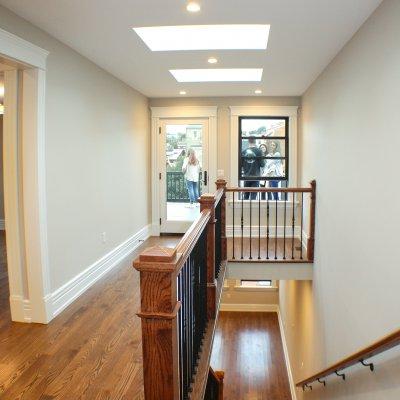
[(157, 258), (207, 201), (221, 183), (157, 254)]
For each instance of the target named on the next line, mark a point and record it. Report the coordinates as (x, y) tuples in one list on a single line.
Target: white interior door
[(177, 136)]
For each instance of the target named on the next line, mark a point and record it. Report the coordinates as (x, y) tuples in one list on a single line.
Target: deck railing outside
[(179, 306), (176, 187)]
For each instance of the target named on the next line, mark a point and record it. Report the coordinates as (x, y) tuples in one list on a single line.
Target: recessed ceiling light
[(205, 37), (193, 6), (212, 60), (218, 75), (182, 92), (258, 91)]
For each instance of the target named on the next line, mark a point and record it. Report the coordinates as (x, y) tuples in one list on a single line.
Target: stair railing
[(180, 296)]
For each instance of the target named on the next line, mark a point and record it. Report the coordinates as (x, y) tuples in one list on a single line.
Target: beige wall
[(1, 170), (223, 104), (97, 156), (232, 295), (350, 143)]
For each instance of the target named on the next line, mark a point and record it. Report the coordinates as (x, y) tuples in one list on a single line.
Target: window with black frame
[(263, 151)]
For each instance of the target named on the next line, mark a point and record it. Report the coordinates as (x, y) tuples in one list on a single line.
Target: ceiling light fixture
[(212, 60), (182, 92), (258, 91), (205, 37), (193, 7), (218, 75)]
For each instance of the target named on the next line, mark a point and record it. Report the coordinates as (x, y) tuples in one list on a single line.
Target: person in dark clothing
[(252, 162)]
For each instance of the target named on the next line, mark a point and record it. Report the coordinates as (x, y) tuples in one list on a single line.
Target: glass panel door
[(185, 172)]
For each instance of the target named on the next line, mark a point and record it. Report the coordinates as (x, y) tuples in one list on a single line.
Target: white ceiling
[(305, 36)]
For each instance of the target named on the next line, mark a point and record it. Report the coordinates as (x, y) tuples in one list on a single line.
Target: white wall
[(351, 144), (97, 156)]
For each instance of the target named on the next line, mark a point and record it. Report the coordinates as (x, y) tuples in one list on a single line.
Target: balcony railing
[(270, 224), (176, 187)]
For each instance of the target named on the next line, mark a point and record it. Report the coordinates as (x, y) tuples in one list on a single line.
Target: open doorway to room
[(5, 314)]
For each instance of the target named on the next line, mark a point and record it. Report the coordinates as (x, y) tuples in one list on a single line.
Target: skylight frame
[(205, 37), (199, 75)]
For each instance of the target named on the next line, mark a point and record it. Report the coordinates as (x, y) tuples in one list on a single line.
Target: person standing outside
[(252, 162), (273, 167), (191, 169)]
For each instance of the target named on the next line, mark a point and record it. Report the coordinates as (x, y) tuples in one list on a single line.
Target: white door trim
[(158, 113), (257, 111), (24, 155)]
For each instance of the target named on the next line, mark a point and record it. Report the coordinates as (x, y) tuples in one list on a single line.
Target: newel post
[(159, 309), (311, 237), (221, 184), (207, 202)]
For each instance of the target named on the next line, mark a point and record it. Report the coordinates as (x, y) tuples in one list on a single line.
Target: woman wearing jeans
[(191, 168)]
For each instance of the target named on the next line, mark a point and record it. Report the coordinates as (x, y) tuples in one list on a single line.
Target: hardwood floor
[(281, 245), (248, 348), (91, 351)]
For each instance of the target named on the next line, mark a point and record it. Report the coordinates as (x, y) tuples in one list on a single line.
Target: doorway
[(180, 183)]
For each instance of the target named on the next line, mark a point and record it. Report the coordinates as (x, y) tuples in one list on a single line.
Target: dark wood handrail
[(269, 190), (160, 269), (386, 343)]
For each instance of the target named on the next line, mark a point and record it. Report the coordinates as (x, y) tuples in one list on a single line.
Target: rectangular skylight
[(218, 75), (205, 37)]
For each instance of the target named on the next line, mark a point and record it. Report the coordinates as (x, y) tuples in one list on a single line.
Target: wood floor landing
[(280, 248), (248, 348), (91, 351)]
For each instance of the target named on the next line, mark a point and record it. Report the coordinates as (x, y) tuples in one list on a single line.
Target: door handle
[(205, 178)]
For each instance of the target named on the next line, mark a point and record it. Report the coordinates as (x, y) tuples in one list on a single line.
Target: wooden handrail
[(268, 190), (160, 268), (386, 343)]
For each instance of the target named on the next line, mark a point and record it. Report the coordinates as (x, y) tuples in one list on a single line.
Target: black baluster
[(267, 227), (293, 221), (250, 258), (301, 227), (241, 228), (233, 214), (276, 225), (284, 228), (259, 225)]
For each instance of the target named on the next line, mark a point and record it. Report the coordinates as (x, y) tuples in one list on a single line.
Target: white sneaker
[(189, 205)]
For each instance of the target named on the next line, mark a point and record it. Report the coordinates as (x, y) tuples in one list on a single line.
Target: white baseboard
[(2, 225), (66, 294), (20, 309), (249, 307), (287, 359)]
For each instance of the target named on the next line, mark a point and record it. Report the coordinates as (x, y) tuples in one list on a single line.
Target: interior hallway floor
[(248, 348), (90, 351)]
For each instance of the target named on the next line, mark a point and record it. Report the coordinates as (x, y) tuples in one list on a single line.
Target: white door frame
[(171, 226), (24, 180), (158, 113)]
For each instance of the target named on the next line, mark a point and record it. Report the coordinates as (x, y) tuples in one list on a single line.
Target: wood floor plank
[(248, 348), (91, 351)]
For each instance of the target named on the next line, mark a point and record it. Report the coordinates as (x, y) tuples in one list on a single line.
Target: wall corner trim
[(19, 49), (69, 292), (287, 359)]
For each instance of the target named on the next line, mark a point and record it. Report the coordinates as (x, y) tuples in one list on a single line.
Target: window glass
[(263, 149)]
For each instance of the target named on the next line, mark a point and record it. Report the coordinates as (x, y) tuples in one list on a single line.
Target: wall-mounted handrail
[(384, 344), (179, 305)]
